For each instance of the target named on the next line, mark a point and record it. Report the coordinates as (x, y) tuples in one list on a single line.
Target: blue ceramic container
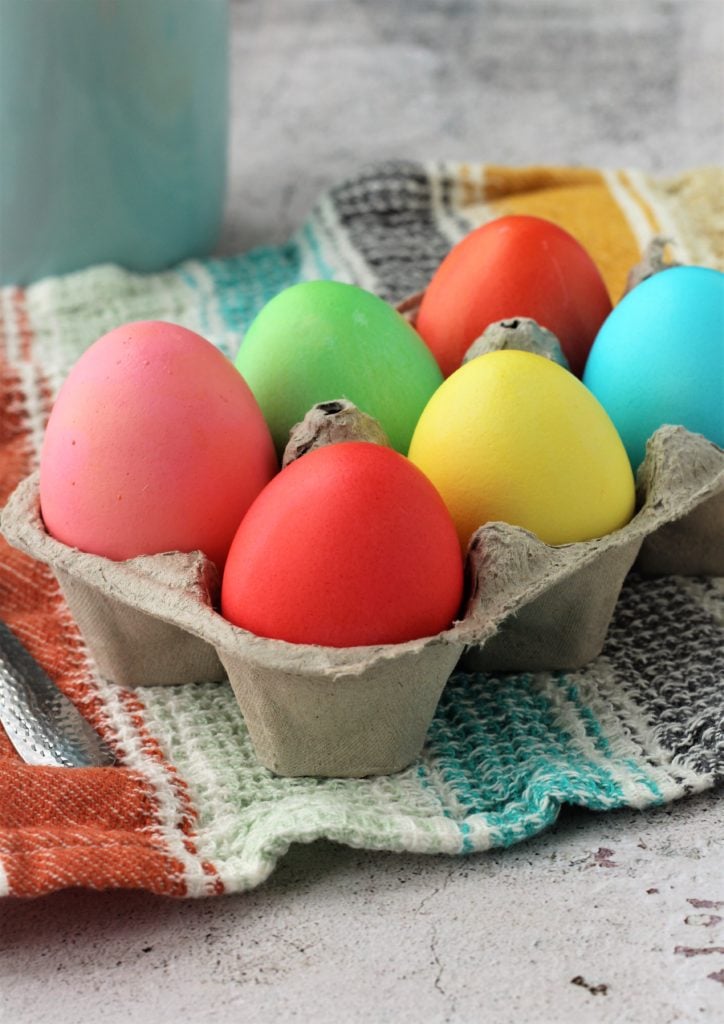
[(113, 133)]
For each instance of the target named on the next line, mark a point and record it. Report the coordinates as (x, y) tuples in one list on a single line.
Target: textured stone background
[(607, 918), (321, 86)]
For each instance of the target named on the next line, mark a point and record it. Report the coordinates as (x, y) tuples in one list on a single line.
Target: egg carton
[(359, 711)]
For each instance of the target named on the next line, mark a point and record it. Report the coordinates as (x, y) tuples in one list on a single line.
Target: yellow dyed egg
[(513, 437)]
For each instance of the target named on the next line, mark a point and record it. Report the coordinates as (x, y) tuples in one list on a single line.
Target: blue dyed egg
[(659, 358)]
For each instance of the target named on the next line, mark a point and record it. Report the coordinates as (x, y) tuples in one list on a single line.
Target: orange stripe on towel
[(22, 321)]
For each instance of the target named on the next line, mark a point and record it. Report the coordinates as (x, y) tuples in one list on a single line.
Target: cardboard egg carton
[(322, 711)]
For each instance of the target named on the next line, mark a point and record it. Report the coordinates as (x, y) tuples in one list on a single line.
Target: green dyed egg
[(322, 340)]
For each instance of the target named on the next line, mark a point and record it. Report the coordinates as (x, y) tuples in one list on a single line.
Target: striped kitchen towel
[(188, 811)]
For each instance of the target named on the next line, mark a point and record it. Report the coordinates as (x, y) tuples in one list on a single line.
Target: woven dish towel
[(189, 812)]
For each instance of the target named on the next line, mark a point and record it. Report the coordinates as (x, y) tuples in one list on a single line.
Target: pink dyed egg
[(155, 443)]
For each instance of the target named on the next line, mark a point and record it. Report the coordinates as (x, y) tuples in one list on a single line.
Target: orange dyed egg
[(514, 266), (155, 443), (350, 545)]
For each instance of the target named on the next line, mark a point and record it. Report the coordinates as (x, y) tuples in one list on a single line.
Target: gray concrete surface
[(607, 918), (321, 86)]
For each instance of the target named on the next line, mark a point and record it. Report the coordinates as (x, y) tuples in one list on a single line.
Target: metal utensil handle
[(43, 725)]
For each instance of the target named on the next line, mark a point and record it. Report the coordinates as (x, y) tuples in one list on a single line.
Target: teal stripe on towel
[(637, 769), (504, 760), (245, 283)]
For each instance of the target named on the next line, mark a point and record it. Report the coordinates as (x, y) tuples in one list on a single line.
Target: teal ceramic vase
[(113, 133)]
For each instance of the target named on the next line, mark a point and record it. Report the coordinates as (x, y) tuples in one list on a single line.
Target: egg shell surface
[(350, 545), (513, 437), (515, 266), (322, 340), (659, 358), (155, 443)]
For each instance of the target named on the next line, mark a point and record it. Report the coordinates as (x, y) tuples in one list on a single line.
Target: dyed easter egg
[(515, 266), (512, 436), (322, 340), (155, 443), (659, 358), (350, 545)]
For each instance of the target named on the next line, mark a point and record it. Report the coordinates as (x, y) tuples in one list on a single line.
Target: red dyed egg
[(351, 545), (514, 266)]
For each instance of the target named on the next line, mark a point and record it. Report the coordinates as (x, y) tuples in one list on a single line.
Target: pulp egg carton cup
[(360, 711)]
